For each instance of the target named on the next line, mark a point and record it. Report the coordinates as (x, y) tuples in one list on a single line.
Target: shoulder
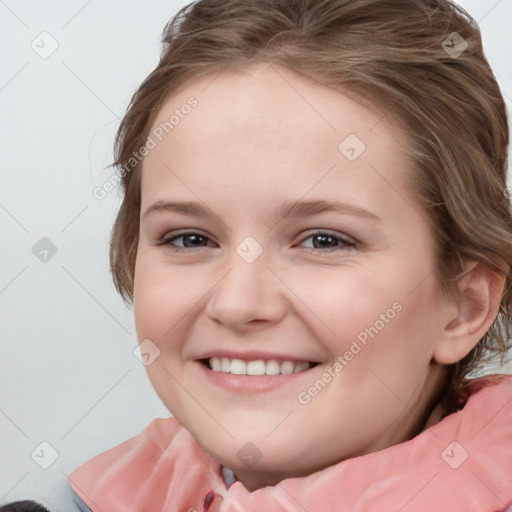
[(122, 466), (148, 444), (485, 396), (158, 469), (487, 399)]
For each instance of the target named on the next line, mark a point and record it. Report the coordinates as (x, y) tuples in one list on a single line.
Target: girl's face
[(278, 235)]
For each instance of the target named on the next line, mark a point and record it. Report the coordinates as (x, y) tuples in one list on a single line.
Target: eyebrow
[(288, 209)]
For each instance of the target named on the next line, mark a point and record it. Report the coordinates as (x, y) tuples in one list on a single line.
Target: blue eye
[(190, 240), (320, 240), (326, 240)]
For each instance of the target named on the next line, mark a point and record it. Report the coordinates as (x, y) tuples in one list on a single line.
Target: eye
[(329, 241), (318, 240), (183, 241)]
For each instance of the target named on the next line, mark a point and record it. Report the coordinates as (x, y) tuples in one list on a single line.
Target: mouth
[(256, 367)]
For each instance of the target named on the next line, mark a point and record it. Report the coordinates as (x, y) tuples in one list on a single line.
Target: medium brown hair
[(403, 58)]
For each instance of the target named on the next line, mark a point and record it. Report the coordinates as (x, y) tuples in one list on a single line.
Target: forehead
[(270, 127), (268, 98)]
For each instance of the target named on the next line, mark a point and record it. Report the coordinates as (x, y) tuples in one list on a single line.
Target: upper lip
[(253, 355)]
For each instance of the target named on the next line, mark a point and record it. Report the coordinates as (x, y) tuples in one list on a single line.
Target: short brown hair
[(410, 61)]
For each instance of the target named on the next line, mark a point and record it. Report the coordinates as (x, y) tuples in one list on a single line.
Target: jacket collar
[(463, 462)]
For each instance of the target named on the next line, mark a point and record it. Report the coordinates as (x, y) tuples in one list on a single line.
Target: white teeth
[(238, 367), (272, 367), (287, 367), (225, 365), (215, 363), (257, 367)]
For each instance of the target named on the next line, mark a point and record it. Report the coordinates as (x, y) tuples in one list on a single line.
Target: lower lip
[(250, 383)]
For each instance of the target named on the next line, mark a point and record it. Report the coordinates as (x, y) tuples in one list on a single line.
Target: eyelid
[(169, 237), (345, 240), (343, 237)]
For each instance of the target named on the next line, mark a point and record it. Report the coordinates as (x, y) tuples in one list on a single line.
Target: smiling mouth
[(256, 367)]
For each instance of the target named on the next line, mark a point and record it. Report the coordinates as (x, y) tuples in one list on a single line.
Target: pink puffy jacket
[(461, 464)]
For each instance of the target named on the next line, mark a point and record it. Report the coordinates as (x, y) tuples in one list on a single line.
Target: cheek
[(347, 305), (398, 354), (377, 321), (163, 297)]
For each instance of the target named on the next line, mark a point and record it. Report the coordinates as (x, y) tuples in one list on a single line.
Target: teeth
[(257, 367), (272, 367), (238, 367), (287, 367), (225, 365)]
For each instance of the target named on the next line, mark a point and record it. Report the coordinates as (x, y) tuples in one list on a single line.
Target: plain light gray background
[(68, 376)]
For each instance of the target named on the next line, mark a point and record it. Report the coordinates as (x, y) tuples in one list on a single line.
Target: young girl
[(316, 238)]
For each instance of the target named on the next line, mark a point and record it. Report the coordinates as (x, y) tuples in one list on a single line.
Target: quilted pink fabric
[(463, 463)]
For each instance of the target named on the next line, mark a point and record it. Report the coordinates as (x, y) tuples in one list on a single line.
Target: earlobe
[(480, 292)]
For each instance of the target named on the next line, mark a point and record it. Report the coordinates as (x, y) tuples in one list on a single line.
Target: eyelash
[(344, 243)]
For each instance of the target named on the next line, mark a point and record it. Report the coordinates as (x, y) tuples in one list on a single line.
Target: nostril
[(208, 500), (212, 502)]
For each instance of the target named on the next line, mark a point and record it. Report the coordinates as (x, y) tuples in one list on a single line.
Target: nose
[(249, 296)]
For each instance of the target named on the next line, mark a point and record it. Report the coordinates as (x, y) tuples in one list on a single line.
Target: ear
[(480, 292)]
